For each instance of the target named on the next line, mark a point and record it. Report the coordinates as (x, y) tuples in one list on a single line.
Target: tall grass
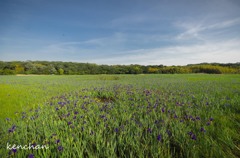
[(134, 116)]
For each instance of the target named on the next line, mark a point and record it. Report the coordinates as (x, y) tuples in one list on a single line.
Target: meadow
[(177, 115)]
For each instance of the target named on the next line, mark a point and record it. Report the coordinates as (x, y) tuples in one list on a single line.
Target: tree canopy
[(73, 68)]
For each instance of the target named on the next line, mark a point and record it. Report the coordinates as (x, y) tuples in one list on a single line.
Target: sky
[(145, 32)]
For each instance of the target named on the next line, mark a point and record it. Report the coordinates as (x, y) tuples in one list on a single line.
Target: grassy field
[(194, 115)]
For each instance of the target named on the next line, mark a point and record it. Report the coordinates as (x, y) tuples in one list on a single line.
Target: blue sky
[(146, 32)]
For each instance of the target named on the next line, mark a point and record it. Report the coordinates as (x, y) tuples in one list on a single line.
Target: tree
[(153, 70), (19, 69), (60, 71)]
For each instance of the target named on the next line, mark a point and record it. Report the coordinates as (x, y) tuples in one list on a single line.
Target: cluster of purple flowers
[(147, 92), (12, 129), (192, 135), (75, 114)]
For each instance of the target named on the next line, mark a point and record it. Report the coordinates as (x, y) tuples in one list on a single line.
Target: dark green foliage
[(71, 68)]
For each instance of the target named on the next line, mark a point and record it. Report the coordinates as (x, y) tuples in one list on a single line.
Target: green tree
[(60, 71), (19, 69)]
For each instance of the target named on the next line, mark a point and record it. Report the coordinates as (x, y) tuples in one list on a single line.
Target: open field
[(194, 115)]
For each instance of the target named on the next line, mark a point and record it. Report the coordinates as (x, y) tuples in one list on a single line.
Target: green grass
[(194, 115)]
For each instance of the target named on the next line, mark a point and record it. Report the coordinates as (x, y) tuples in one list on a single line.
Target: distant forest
[(73, 68)]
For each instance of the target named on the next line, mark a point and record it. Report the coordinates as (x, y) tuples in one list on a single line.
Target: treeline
[(72, 68)]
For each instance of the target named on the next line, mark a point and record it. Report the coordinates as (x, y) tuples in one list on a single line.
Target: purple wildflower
[(194, 137), (208, 123), (75, 112), (159, 137), (34, 144), (198, 118), (116, 130), (202, 130), (169, 133), (12, 129), (30, 156), (14, 150), (211, 119), (60, 148), (163, 110), (149, 130), (57, 141), (69, 123), (190, 133)]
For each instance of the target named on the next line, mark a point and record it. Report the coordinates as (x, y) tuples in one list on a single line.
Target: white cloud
[(197, 29), (178, 55)]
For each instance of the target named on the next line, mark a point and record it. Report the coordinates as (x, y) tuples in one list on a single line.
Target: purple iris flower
[(159, 137), (198, 118), (194, 137), (14, 150), (116, 130), (12, 129), (190, 133), (75, 112), (202, 130), (60, 148), (163, 110), (149, 130), (57, 141)]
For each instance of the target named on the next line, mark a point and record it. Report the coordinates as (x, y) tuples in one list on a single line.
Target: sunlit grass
[(132, 116)]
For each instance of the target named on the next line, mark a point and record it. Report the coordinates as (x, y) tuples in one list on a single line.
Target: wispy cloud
[(178, 55), (200, 29)]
